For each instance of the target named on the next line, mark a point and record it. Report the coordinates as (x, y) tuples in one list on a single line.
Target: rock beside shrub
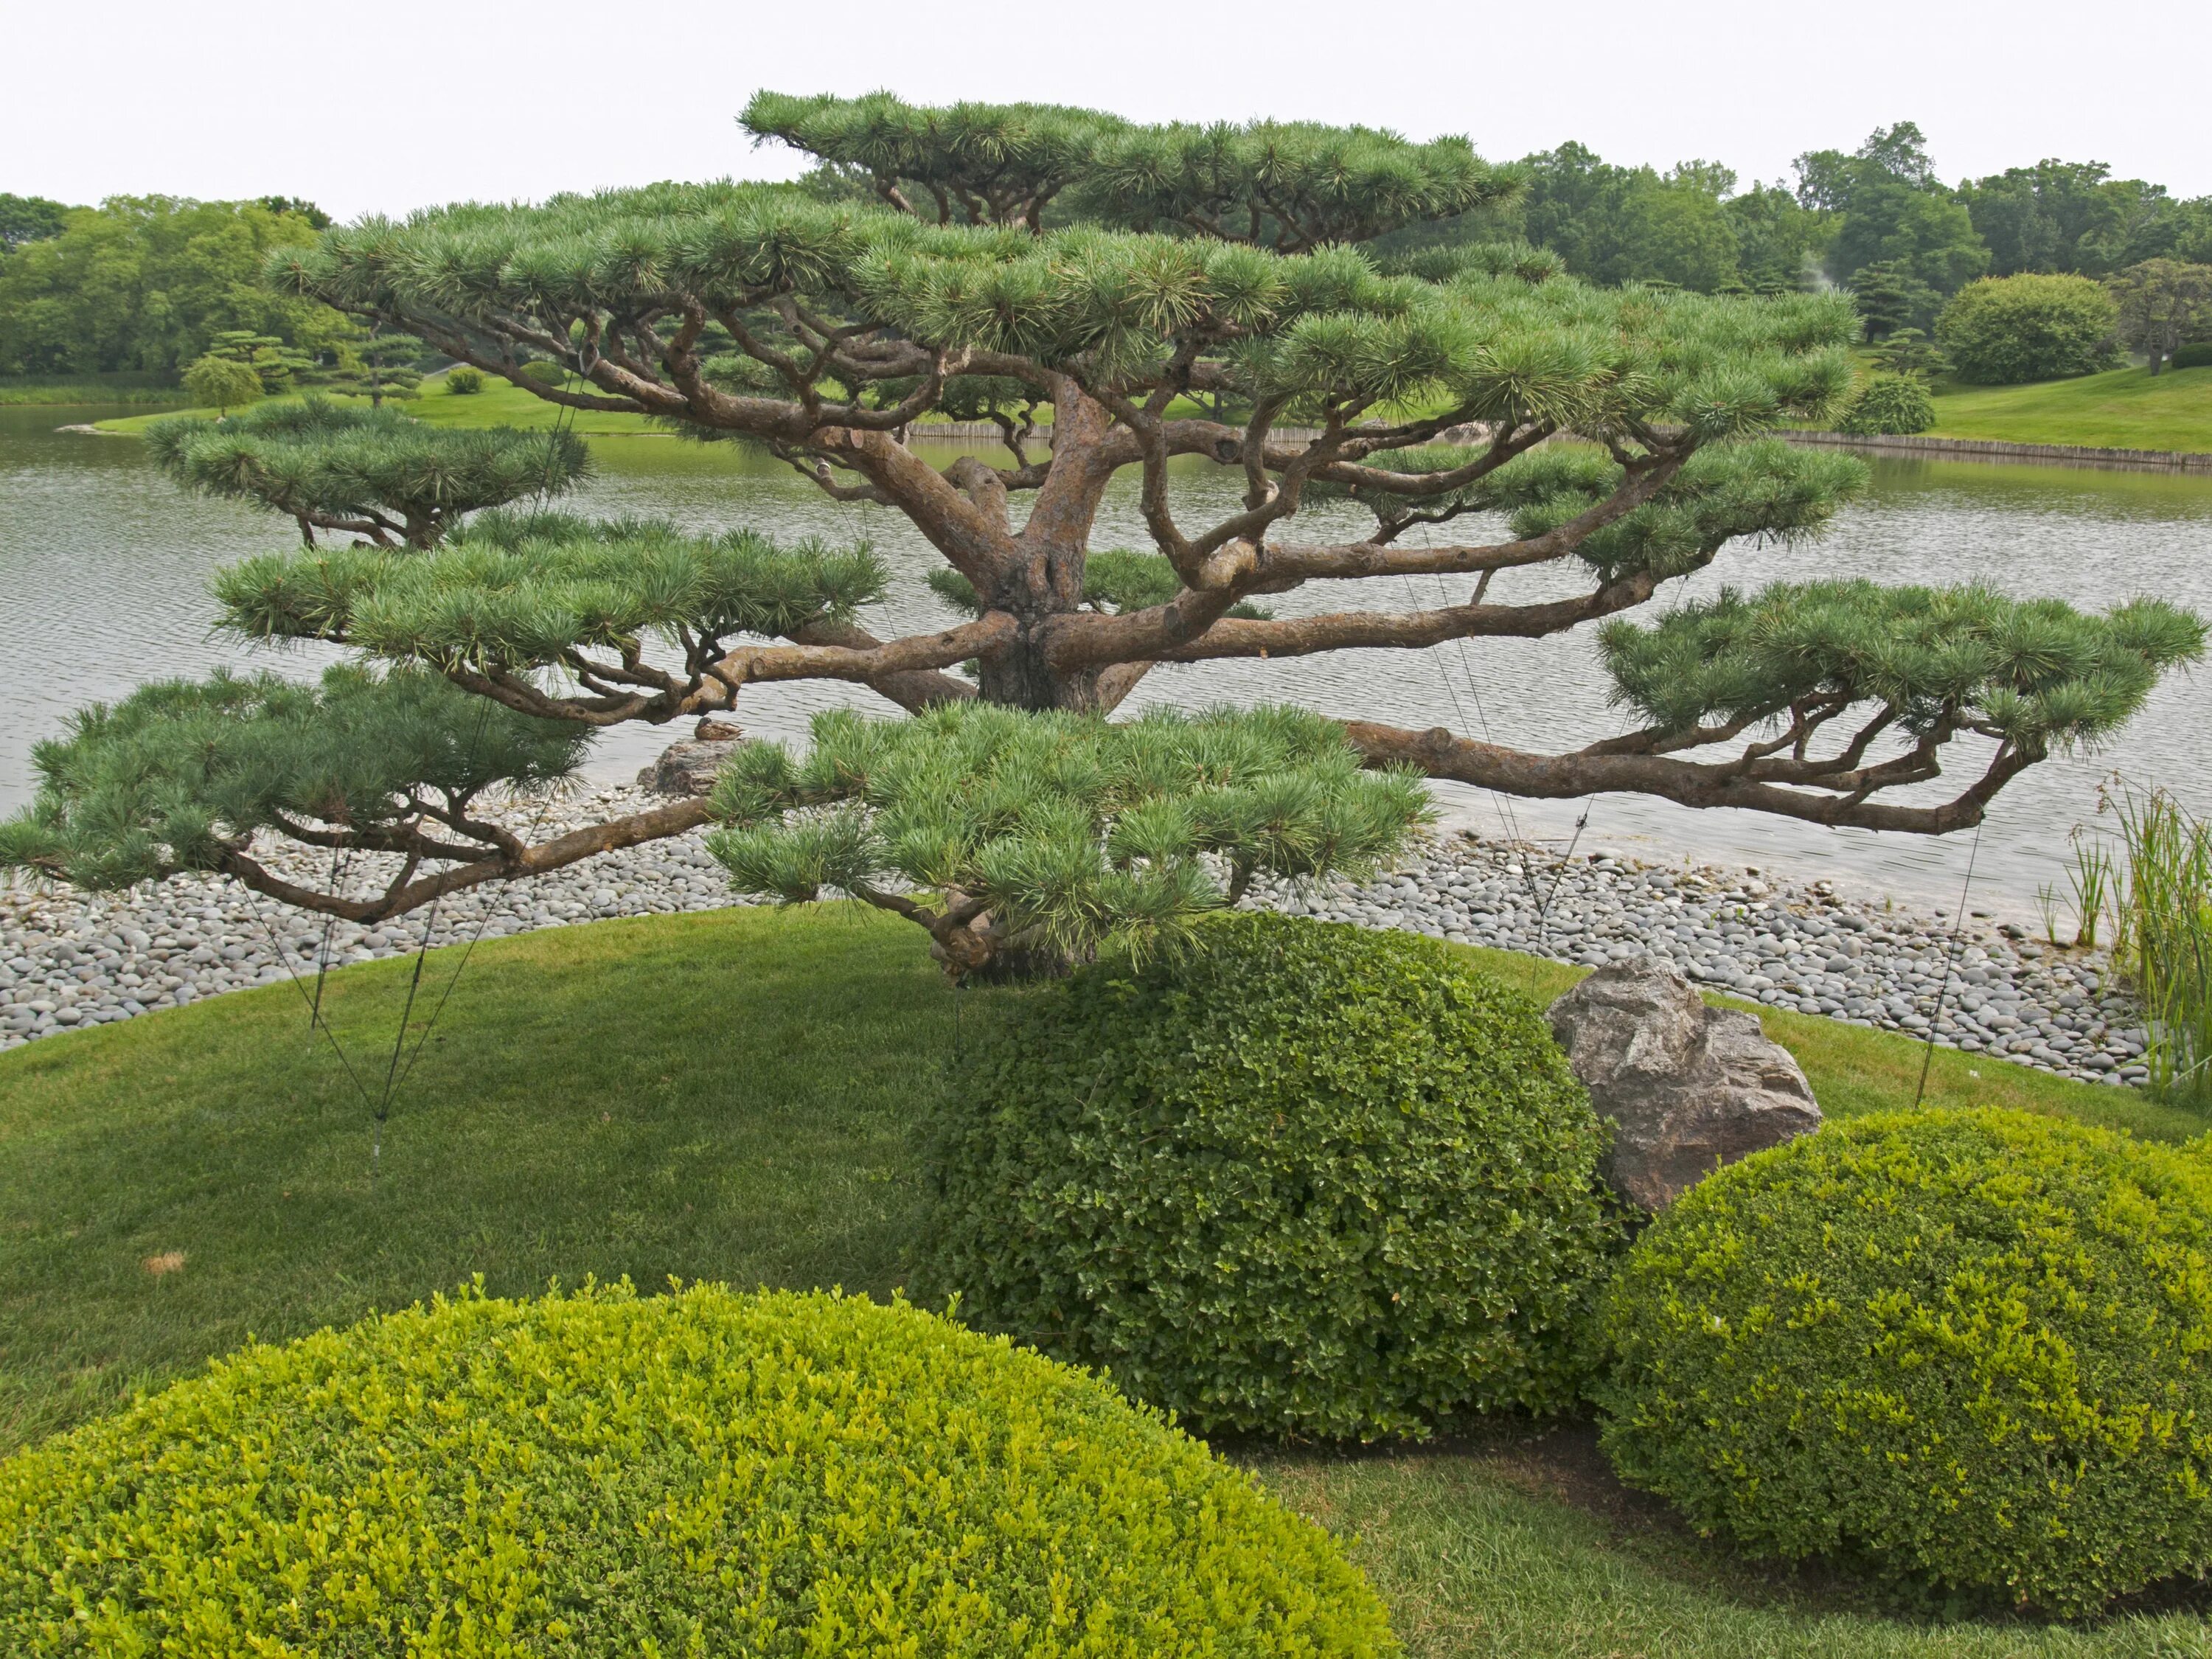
[(1687, 1088), (1965, 1351), (1298, 1179), (702, 1473)]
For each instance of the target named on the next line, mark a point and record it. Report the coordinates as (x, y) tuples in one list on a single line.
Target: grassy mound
[(173, 1184), (2124, 409), (696, 1472)]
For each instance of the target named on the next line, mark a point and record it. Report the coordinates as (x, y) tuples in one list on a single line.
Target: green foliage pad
[(602, 1475), (373, 471), (1964, 1350), (182, 772), (1298, 1179), (1069, 832)]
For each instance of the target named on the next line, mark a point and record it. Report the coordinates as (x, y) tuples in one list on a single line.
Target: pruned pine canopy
[(182, 775), (1015, 836), (1152, 295), (1287, 185), (513, 593), (370, 472)]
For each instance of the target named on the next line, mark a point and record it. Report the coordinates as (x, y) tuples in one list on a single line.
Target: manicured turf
[(500, 404), (2126, 408), (727, 1096)]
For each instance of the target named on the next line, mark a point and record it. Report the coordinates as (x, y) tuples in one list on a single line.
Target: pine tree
[(368, 473), (266, 355), (1010, 816), (375, 365)]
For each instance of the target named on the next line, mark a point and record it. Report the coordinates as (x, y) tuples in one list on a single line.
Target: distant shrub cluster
[(2007, 330), (602, 1475), (1298, 1179), (1890, 404), (464, 381), (1963, 1350), (2197, 353)]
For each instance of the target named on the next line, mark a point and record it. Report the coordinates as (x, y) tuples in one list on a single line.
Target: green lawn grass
[(728, 1097), (2126, 408), (500, 404)]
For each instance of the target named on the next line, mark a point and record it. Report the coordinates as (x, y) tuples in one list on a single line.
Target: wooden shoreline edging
[(2161, 460)]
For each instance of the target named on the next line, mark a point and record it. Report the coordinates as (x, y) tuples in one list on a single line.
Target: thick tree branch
[(1438, 753)]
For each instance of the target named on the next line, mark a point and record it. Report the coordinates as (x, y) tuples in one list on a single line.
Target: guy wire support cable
[(1950, 961)]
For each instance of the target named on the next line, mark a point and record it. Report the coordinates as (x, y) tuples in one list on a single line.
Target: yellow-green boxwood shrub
[(1299, 1179), (1965, 1351), (698, 1472)]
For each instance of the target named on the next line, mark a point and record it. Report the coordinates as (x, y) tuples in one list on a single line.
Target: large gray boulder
[(1689, 1088), (688, 767)]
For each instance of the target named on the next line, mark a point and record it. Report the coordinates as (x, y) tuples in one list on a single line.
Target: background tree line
[(1875, 220), (148, 283)]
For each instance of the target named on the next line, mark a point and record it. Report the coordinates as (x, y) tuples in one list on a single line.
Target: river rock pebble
[(69, 959)]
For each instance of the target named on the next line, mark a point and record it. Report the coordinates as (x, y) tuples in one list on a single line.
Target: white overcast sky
[(387, 106)]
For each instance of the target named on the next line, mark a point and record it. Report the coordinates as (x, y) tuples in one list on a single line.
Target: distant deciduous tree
[(2004, 330), (29, 219), (223, 383), (2065, 217), (146, 282), (2163, 302), (1890, 210)]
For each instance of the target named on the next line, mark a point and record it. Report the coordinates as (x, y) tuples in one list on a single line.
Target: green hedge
[(2197, 353), (1298, 1179), (1891, 402), (700, 1472), (1965, 1351)]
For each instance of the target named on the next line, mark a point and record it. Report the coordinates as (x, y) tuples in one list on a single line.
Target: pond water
[(103, 568)]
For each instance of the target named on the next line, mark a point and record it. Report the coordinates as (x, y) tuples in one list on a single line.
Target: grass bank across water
[(727, 1096), (2125, 409)]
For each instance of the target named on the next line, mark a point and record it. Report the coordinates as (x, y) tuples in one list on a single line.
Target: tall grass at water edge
[(2161, 902)]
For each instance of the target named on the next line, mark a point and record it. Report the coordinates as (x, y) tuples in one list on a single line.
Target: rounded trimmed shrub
[(2003, 330), (604, 1474), (2194, 354), (464, 381), (1965, 1351), (1891, 402), (1295, 1178), (545, 372)]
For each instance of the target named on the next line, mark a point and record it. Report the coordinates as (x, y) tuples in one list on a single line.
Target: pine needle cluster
[(1055, 833), (1286, 185), (2035, 673), (520, 591), (182, 773), (373, 472)]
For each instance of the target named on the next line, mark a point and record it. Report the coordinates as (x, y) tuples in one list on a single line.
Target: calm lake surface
[(104, 565)]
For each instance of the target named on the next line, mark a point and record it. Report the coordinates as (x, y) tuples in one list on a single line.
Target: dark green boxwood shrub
[(1965, 1349), (1891, 402), (2196, 354), (2004, 330), (1298, 1179), (545, 373), (702, 1473), (464, 381)]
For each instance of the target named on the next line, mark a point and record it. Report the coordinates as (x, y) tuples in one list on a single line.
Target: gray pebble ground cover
[(68, 960)]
